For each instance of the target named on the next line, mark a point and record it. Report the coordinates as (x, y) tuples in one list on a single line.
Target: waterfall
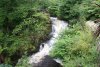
[(57, 27)]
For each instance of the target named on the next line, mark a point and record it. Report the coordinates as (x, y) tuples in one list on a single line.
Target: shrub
[(76, 47), (25, 37)]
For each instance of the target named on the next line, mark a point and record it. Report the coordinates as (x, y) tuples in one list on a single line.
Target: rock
[(97, 32), (47, 61), (94, 27), (91, 25), (97, 20)]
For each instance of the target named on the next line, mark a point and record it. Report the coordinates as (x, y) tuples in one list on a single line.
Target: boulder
[(94, 27), (47, 61), (91, 26)]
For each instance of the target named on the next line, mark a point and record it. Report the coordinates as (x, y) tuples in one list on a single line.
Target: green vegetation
[(22, 28), (72, 10), (24, 24), (76, 47)]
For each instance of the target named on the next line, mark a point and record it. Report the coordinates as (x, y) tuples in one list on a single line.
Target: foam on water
[(57, 27)]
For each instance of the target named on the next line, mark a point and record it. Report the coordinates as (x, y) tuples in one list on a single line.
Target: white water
[(57, 27)]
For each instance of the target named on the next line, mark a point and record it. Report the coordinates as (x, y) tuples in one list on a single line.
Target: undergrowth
[(76, 47)]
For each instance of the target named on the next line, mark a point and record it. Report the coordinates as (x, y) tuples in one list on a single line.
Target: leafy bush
[(5, 65), (72, 10), (25, 37), (22, 29), (76, 47), (23, 62)]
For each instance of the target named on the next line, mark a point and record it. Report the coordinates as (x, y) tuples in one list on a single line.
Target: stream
[(57, 27)]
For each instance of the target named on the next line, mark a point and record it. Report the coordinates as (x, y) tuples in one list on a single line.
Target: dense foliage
[(24, 24), (72, 10), (76, 48)]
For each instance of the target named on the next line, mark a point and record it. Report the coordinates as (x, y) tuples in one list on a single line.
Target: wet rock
[(47, 61), (91, 26), (94, 27)]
